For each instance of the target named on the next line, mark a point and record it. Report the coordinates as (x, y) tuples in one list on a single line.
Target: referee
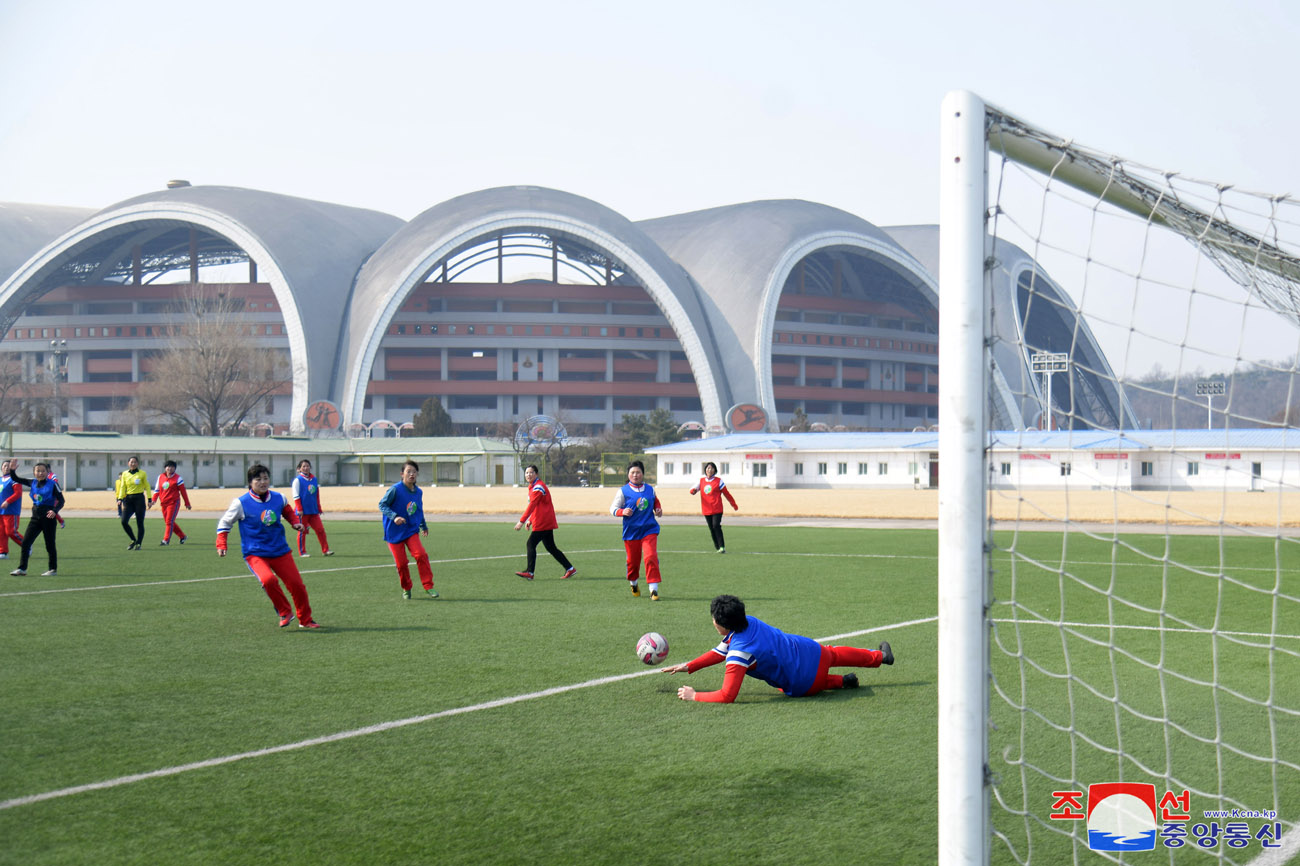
[(132, 499)]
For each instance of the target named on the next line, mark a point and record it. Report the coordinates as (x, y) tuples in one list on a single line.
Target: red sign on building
[(758, 456), (1027, 456), (1222, 455), (1110, 455)]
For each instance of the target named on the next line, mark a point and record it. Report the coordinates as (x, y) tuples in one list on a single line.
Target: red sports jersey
[(711, 492), (169, 489), (540, 508)]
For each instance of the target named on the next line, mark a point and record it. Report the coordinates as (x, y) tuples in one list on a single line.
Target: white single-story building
[(1239, 459), (93, 461)]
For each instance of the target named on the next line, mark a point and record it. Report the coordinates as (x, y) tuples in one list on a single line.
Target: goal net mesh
[(1142, 339)]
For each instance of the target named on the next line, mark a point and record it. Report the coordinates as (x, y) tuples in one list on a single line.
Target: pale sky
[(650, 108)]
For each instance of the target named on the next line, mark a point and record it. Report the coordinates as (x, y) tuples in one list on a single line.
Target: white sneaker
[(4, 556), (18, 572), (51, 573)]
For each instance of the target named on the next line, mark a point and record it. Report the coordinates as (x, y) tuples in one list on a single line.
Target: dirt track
[(1149, 507)]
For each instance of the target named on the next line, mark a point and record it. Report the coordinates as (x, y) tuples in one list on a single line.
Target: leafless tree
[(213, 374), (13, 390)]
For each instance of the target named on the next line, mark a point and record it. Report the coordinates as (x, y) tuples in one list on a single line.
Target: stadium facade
[(519, 301)]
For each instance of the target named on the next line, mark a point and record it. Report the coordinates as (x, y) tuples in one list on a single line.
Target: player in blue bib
[(306, 502), (797, 665), (637, 504), (261, 539), (402, 510), (47, 499)]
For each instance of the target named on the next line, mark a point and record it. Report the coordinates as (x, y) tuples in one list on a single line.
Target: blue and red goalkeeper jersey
[(788, 662)]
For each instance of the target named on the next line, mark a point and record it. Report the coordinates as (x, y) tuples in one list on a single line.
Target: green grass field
[(513, 722)]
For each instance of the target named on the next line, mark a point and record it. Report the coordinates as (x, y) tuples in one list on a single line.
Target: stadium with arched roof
[(512, 302)]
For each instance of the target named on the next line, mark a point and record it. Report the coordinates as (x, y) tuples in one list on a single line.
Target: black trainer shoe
[(888, 652), (850, 681)]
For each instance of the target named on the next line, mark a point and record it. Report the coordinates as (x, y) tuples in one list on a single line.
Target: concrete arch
[(876, 247), (740, 256), (401, 265), (308, 252)]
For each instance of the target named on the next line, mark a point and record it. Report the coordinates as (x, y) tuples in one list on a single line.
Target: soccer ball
[(652, 648)]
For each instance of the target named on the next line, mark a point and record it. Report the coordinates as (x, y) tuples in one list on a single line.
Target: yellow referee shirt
[(132, 482)]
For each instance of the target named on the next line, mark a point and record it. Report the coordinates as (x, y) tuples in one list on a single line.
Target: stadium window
[(119, 332), (604, 332), (798, 469), (491, 329), (469, 329), (911, 468), (863, 469), (76, 332), (821, 468), (1193, 468), (1148, 468), (842, 469), (419, 329), (686, 469), (401, 329), (585, 330), (882, 468), (45, 332), (133, 332), (668, 469), (1065, 468), (622, 332), (566, 330), (433, 329), (1006, 468)]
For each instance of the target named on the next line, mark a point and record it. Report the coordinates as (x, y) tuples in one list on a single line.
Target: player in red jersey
[(540, 513), (169, 490), (711, 489)]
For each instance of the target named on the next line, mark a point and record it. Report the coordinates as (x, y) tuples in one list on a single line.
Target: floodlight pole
[(963, 796), (58, 352), (1048, 363), (1209, 389)]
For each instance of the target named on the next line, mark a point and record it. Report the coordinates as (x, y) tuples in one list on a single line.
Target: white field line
[(374, 729), (388, 564), (1277, 856), (1170, 629)]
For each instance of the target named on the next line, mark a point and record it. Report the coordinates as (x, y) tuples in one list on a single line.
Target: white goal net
[(1119, 507)]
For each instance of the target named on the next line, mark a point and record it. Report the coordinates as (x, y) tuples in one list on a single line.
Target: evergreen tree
[(432, 419)]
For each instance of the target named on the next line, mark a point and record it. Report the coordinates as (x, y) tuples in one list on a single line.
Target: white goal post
[(1119, 558)]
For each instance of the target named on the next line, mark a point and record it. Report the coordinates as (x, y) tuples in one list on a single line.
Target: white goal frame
[(1267, 268)]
